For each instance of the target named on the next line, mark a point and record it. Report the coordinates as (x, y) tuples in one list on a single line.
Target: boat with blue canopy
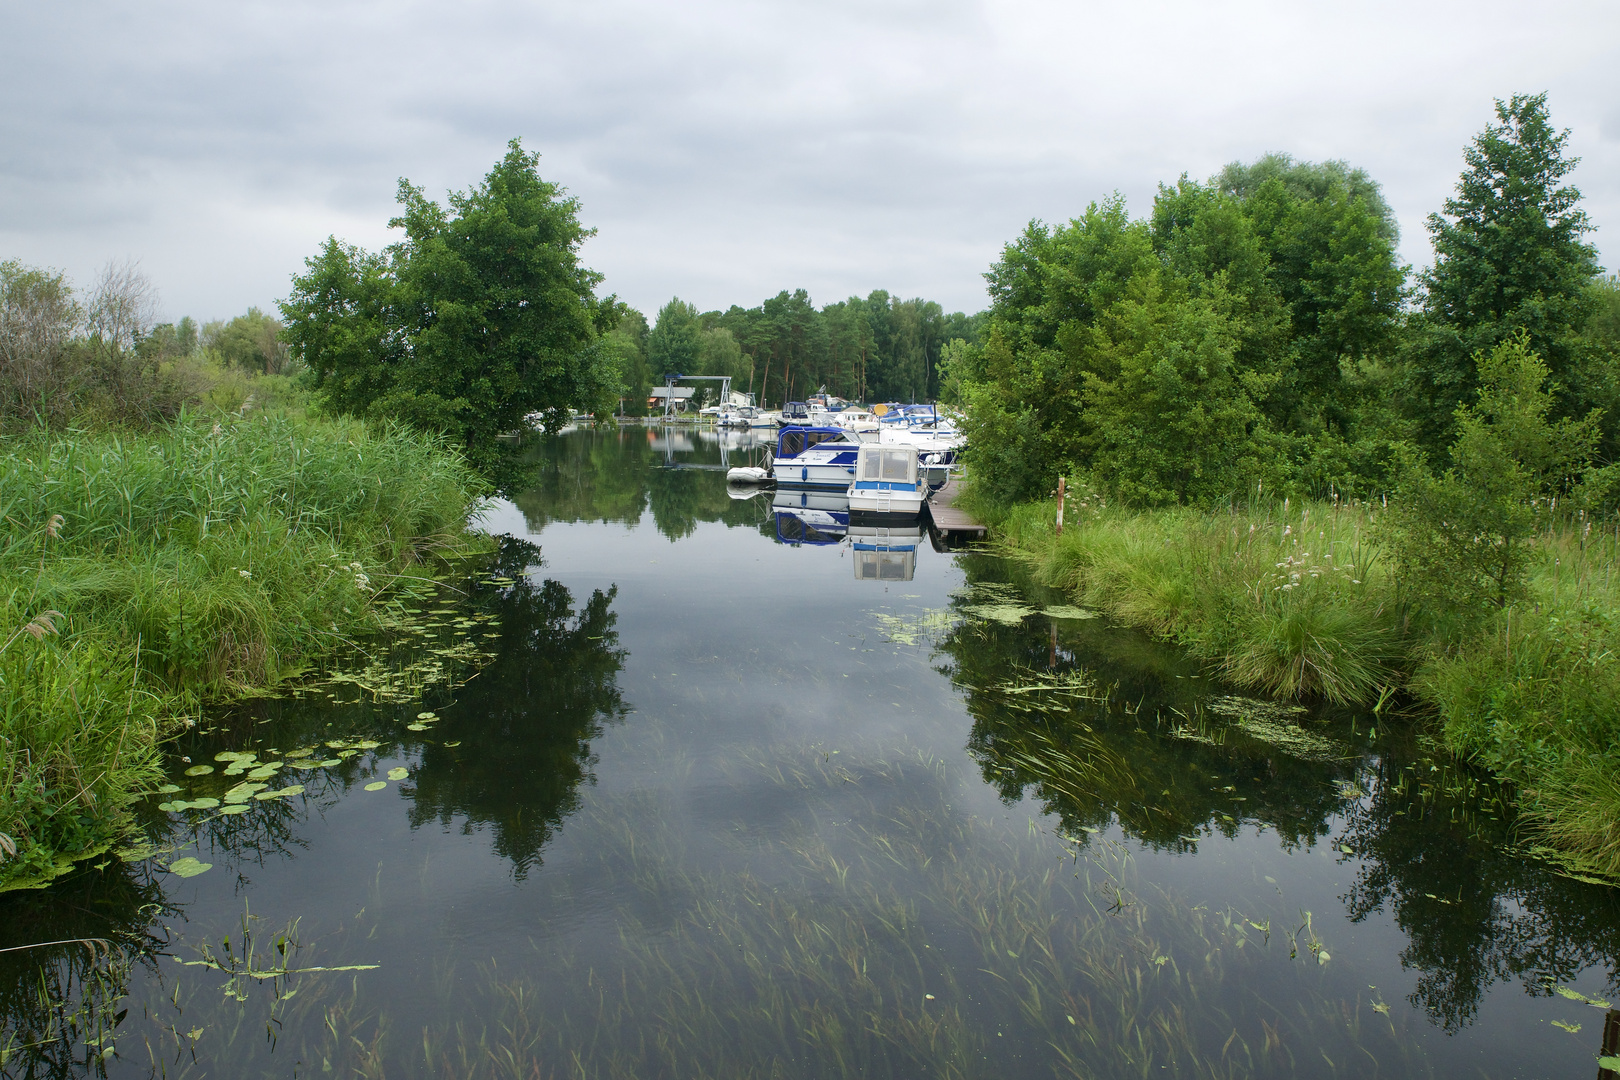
[(817, 457)]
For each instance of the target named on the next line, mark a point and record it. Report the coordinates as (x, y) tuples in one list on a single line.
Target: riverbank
[(1296, 600), (142, 574)]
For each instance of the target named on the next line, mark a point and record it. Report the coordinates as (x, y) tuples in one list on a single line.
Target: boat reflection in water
[(805, 516), (884, 549)]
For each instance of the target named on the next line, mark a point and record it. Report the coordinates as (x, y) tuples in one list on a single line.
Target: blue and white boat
[(887, 480), (815, 457)]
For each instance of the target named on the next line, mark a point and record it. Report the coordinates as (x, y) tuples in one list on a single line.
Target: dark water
[(695, 801)]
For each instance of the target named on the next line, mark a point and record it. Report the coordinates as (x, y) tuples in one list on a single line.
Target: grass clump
[(1286, 599), (141, 574)]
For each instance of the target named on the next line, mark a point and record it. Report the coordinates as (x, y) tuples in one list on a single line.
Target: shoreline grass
[(1294, 599), (143, 573)]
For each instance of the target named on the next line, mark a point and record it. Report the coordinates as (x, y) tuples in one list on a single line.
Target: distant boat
[(821, 457), (794, 412), (887, 480)]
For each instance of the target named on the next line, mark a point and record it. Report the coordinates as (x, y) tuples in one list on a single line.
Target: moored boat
[(887, 480), (814, 457)]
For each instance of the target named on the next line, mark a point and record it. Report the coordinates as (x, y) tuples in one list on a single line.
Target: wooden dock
[(947, 518)]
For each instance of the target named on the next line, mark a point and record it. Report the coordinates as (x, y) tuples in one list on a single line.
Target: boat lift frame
[(670, 379)]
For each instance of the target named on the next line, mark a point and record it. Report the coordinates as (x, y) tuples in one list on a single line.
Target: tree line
[(1256, 333), (876, 348)]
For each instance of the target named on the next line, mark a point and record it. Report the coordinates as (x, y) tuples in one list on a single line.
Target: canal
[(685, 784)]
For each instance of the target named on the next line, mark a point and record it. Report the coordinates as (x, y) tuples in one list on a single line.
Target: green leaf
[(376, 785), (189, 867), (199, 770), (397, 773)]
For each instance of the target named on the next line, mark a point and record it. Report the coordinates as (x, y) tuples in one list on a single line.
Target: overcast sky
[(727, 150)]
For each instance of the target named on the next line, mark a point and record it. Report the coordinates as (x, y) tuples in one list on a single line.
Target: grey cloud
[(727, 150)]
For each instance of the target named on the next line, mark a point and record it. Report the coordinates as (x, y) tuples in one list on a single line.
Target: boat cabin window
[(816, 437), (871, 464), (895, 464)]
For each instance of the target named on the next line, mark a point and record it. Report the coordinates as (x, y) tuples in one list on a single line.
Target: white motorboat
[(815, 457), (887, 480)]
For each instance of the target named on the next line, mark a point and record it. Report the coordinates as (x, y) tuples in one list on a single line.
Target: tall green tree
[(1509, 259), (673, 345), (480, 316)]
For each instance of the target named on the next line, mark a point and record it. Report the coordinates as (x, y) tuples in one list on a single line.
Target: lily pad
[(268, 769), (234, 755), (327, 763), (397, 773), (456, 743), (281, 793), (427, 716), (204, 804), (234, 808), (367, 744), (199, 770), (189, 867), (168, 789), (376, 785), (416, 727)]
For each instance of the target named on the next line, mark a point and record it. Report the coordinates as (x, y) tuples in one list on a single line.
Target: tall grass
[(1285, 598), (1293, 599), (141, 573)]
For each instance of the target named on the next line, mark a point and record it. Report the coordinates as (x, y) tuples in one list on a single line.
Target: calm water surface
[(708, 788)]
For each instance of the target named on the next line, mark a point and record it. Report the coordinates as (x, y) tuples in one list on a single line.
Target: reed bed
[(143, 573), (1288, 599)]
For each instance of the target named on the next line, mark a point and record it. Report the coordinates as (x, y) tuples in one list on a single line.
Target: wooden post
[(1060, 507)]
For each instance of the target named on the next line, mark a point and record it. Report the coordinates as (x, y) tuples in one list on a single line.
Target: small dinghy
[(748, 474)]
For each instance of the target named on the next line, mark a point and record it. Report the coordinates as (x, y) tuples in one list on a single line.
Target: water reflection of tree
[(525, 725), (617, 475), (1474, 914), (1093, 760), (58, 1002), (1433, 845)]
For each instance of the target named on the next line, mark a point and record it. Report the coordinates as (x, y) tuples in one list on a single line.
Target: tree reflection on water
[(1103, 726)]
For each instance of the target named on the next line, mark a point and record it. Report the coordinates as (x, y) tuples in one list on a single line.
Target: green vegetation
[(177, 530), (146, 572), (880, 348), (478, 318), (1321, 491)]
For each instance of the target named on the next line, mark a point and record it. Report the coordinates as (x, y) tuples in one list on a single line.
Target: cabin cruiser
[(887, 480), (794, 412), (817, 518), (815, 457), (864, 424)]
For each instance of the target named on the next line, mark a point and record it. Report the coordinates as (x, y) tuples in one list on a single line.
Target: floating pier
[(947, 518)]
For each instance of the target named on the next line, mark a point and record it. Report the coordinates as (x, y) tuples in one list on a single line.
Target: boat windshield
[(795, 442)]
